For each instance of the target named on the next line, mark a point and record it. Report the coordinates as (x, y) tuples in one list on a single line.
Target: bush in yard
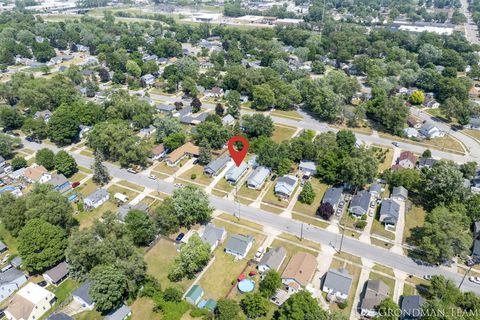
[(364, 217), (342, 305), (308, 194), (18, 163), (193, 176), (325, 210), (361, 224), (172, 294), (197, 312)]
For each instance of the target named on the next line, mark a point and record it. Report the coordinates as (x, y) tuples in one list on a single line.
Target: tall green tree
[(109, 287), (141, 226), (63, 126), (227, 309), (45, 157), (41, 245), (194, 256), (191, 205), (270, 283), (100, 172), (254, 305), (263, 97), (257, 125), (65, 163), (300, 306), (307, 195)]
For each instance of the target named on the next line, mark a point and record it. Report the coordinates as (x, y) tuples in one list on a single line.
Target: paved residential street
[(283, 224)]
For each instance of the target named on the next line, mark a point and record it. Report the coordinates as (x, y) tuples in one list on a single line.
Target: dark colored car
[(42, 283), (180, 237), (75, 184), (273, 177)]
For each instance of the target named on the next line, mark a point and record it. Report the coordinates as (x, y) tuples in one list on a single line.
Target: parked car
[(259, 252), (180, 237), (395, 144), (427, 277), (338, 213), (5, 258), (75, 184), (131, 171), (341, 204), (474, 279), (42, 283), (273, 177), (372, 204), (178, 185), (370, 213), (152, 177), (470, 262)]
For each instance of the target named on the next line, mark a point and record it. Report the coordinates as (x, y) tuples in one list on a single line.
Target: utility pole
[(465, 275), (341, 240)]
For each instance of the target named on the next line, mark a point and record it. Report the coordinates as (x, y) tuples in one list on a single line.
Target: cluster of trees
[(7, 145), (41, 221), (105, 254), (451, 208), (63, 162), (187, 206)]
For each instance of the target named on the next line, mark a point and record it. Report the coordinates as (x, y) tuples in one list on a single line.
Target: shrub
[(197, 312), (364, 217), (172, 294), (361, 224), (342, 305), (193, 176)]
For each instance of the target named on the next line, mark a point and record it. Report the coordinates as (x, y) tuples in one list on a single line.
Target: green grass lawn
[(86, 188), (472, 132), (88, 315), (201, 178), (142, 309), (86, 153), (87, 218), (217, 280), (62, 292), (165, 169), (313, 221), (248, 223), (79, 176), (118, 189), (409, 290), (291, 114), (303, 242), (8, 239), (380, 243), (282, 133), (271, 209), (310, 209), (379, 229), (225, 186), (159, 260), (271, 198), (85, 170), (386, 270), (246, 192), (415, 217), (131, 185)]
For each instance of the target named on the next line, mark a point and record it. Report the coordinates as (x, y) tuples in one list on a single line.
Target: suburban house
[(16, 262), (407, 160), (2, 161), (426, 163), (280, 297), (147, 132), (285, 186), (228, 120), (57, 274), (125, 209), (120, 197), (238, 245), (194, 120), (121, 313), (165, 108), (414, 122), (59, 183), (215, 92), (375, 292), (194, 295), (337, 285), (333, 196), (308, 168), (147, 80), (375, 190), (272, 259), (177, 155), (3, 247), (216, 166), (96, 198), (213, 235), (10, 281), (82, 296), (236, 173), (474, 123), (158, 152), (30, 302), (299, 271), (399, 193), (411, 307), (359, 204), (36, 173), (389, 213), (45, 115), (258, 177), (411, 132), (59, 316), (430, 131)]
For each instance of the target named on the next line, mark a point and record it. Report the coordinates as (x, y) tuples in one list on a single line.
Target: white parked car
[(474, 279), (152, 177), (259, 252)]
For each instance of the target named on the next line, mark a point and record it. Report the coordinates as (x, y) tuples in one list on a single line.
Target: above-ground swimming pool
[(246, 285)]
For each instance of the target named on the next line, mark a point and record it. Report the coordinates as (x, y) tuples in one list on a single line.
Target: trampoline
[(246, 286)]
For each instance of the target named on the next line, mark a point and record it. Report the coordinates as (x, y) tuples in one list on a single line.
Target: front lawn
[(142, 309), (200, 178), (8, 239), (87, 218), (272, 199), (354, 271), (86, 188), (79, 176), (131, 185), (282, 133), (310, 209), (388, 281), (118, 189), (62, 292), (415, 217)]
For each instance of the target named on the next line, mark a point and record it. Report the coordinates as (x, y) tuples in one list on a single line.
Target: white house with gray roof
[(236, 173), (257, 178), (333, 196), (121, 313), (429, 130), (399, 193), (213, 235), (272, 260), (359, 204), (389, 213), (56, 274), (96, 198), (82, 296), (125, 209), (216, 166), (238, 245), (285, 186), (308, 167), (337, 285), (10, 281)]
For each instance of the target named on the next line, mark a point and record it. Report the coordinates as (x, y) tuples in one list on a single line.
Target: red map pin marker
[(238, 156)]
